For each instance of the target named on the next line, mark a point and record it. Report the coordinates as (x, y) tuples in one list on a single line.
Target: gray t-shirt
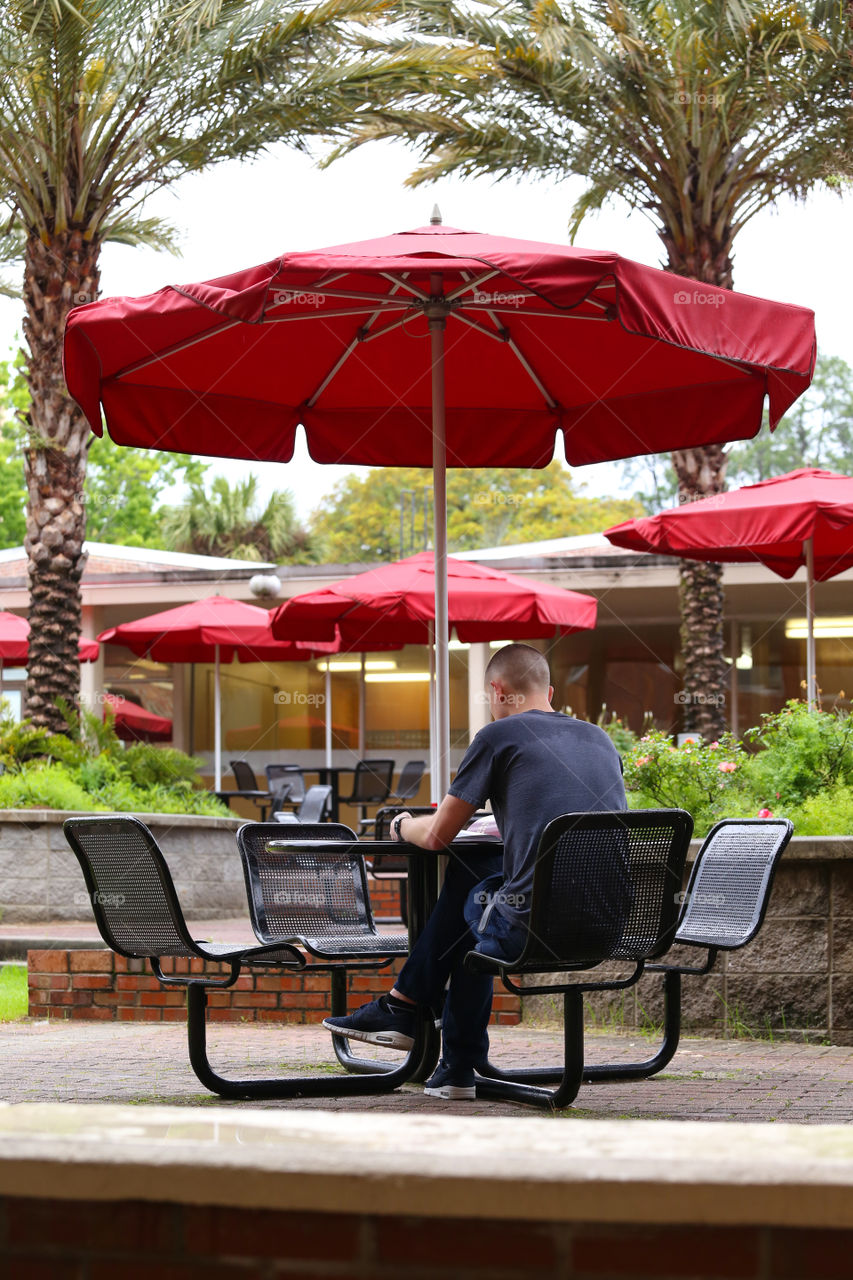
[(533, 767)]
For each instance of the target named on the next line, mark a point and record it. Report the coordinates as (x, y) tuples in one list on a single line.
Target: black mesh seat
[(138, 914), (136, 906), (722, 909), (370, 785), (247, 788), (605, 888), (287, 783), (315, 897)]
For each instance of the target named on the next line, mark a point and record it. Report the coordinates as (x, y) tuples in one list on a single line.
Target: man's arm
[(435, 831)]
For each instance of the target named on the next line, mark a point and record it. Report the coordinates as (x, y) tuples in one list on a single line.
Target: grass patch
[(13, 992)]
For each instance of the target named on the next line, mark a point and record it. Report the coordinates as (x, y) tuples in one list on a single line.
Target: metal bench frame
[(121, 860), (581, 860)]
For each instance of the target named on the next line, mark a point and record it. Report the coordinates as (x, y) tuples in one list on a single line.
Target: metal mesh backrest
[(409, 780), (372, 781), (278, 774), (133, 896), (304, 892), (315, 804), (606, 884), (730, 886), (244, 775)]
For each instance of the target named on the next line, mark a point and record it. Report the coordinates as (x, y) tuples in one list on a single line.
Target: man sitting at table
[(533, 764)]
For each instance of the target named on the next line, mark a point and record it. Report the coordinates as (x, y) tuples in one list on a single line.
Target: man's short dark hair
[(521, 667)]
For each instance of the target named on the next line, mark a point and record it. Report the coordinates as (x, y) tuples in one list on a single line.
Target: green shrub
[(827, 814), (800, 754), (88, 768), (709, 780)]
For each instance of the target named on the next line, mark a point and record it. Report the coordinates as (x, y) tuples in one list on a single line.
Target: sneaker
[(454, 1083), (377, 1023)]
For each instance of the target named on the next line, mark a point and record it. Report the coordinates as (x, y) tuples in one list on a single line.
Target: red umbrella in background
[(802, 518), (213, 630), (438, 347), (133, 723), (395, 604), (15, 641)]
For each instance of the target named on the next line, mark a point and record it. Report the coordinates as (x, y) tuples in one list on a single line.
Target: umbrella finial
[(435, 216)]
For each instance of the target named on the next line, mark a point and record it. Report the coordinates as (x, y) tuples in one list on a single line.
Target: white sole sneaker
[(387, 1039), (453, 1092)]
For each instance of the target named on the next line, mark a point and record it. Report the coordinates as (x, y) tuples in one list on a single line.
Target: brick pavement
[(721, 1080)]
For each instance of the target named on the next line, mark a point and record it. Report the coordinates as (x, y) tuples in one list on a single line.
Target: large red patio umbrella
[(213, 630), (802, 518), (395, 604), (438, 347), (134, 723)]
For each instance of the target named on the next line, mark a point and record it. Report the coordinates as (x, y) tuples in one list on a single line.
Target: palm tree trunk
[(701, 473), (58, 275)]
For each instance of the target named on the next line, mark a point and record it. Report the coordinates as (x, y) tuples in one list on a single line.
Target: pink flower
[(713, 746), (765, 813), (727, 766), (642, 760)]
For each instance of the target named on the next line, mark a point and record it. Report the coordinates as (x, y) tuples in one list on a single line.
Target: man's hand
[(396, 823), (435, 831)]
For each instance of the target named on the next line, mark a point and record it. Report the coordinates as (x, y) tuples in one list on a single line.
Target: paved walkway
[(743, 1080)]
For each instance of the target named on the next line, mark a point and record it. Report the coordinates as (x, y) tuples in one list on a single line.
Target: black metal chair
[(247, 788), (370, 785), (138, 914), (408, 785), (605, 888), (287, 783), (722, 909), (314, 807), (316, 897)]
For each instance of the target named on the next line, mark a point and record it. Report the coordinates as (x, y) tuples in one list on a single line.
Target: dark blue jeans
[(451, 931)]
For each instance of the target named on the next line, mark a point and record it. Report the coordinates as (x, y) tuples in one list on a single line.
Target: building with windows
[(275, 711)]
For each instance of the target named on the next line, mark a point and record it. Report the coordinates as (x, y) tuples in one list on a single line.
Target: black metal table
[(377, 1076)]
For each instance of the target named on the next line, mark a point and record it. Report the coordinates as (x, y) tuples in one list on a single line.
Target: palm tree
[(696, 115), (100, 106), (226, 521)]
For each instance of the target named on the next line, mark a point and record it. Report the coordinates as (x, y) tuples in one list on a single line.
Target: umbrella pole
[(362, 716), (439, 480), (217, 723), (328, 715), (433, 770), (811, 665)]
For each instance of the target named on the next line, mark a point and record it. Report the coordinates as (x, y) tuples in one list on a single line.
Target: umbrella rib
[(403, 282), (472, 284), (184, 345), (361, 336), (504, 335)]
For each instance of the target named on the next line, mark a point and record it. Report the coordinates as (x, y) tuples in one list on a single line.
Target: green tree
[(122, 488), (361, 519), (696, 115), (817, 431), (13, 490), (100, 106), (226, 521)]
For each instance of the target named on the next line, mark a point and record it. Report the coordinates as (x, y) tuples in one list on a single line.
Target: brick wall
[(102, 985), (44, 1239)]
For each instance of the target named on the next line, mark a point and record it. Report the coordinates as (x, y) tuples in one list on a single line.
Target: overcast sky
[(237, 215)]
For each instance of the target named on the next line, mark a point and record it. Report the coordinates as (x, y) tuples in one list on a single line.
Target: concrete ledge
[(528, 1168)]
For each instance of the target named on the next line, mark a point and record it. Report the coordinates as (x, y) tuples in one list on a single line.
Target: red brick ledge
[(102, 986)]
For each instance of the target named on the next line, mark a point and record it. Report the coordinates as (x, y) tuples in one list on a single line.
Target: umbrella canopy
[(396, 604), (802, 518), (15, 641), (436, 347), (213, 630), (133, 723)]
